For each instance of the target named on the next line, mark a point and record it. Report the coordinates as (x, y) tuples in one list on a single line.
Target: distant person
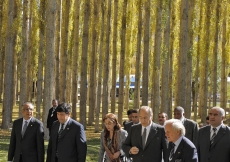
[(162, 117), (26, 141), (146, 140), (129, 114), (191, 126), (207, 120), (67, 141), (112, 138), (52, 115), (214, 139), (180, 149), (135, 120)]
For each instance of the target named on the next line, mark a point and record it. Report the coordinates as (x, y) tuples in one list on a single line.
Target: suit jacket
[(191, 128), (31, 146), (220, 150), (127, 126), (122, 136), (71, 145), (185, 152), (156, 144), (51, 119)]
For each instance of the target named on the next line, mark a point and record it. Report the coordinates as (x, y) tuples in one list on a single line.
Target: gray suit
[(72, 144), (31, 146), (191, 128), (155, 144), (220, 150), (122, 136)]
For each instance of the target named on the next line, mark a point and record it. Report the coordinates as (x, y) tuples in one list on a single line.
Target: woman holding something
[(112, 138)]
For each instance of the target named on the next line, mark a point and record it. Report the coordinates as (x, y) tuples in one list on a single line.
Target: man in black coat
[(26, 140), (180, 149), (214, 139), (52, 115)]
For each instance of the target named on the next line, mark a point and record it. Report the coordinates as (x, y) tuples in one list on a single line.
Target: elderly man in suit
[(191, 126), (145, 141), (52, 115), (214, 139), (67, 139), (26, 141), (181, 149)]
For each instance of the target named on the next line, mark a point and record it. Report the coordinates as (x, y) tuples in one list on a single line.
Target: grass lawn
[(93, 145)]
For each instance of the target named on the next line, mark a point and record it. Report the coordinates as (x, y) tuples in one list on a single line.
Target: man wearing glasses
[(27, 142), (162, 117)]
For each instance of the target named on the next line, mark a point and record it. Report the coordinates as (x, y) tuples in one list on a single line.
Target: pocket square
[(178, 160)]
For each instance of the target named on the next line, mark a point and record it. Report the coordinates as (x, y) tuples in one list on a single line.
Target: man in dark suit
[(214, 139), (191, 126), (181, 149), (26, 141), (162, 117), (135, 120), (52, 115), (145, 141), (67, 141)]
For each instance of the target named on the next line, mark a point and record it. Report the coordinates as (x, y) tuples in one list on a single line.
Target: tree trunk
[(114, 59), (137, 94), (145, 82), (84, 63), (105, 97), (64, 51), (165, 64), (92, 94), (1, 50), (9, 74), (23, 71), (189, 60), (182, 63), (49, 62), (40, 58), (155, 98), (204, 66), (215, 54), (75, 62), (100, 62), (58, 48), (122, 62), (224, 73)]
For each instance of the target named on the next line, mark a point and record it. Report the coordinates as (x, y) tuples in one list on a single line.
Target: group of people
[(67, 142), (174, 140), (141, 140)]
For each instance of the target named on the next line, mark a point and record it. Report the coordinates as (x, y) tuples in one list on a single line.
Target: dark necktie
[(144, 138), (60, 131), (171, 152), (213, 136), (24, 128)]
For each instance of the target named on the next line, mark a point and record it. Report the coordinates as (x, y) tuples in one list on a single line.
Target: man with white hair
[(214, 139), (180, 148)]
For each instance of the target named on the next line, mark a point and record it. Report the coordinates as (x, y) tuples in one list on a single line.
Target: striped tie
[(171, 152), (60, 131), (213, 136), (24, 128)]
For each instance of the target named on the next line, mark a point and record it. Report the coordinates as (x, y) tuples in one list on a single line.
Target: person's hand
[(134, 150), (116, 154)]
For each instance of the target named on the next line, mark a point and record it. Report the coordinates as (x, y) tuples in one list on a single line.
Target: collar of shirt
[(23, 122), (64, 124), (147, 130), (182, 119), (177, 143), (217, 129)]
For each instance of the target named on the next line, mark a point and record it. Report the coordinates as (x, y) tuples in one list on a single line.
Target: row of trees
[(177, 49)]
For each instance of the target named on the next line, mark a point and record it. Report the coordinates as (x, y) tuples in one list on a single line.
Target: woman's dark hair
[(113, 118)]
